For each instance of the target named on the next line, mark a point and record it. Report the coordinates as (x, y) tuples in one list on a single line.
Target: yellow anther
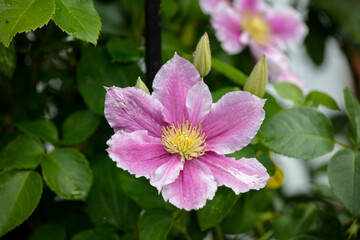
[(257, 27), (184, 139)]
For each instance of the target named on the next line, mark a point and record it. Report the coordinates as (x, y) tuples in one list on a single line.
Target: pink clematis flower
[(265, 30), (177, 137)]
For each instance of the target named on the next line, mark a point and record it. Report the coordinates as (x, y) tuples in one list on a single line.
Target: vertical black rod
[(153, 39)]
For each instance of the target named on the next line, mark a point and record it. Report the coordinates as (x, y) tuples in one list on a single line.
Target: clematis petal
[(192, 188), (241, 175), (233, 121), (198, 102), (287, 27), (252, 6), (209, 6), (167, 173), (171, 85), (227, 25), (278, 64), (137, 152), (131, 109)]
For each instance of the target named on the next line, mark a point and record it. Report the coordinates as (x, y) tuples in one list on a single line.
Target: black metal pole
[(153, 39)]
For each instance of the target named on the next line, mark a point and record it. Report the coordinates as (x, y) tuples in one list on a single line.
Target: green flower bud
[(202, 56), (258, 78), (141, 85)]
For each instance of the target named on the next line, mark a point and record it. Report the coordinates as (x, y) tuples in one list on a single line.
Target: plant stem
[(343, 145), (153, 39)]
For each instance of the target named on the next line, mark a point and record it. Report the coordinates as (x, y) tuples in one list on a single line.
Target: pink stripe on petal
[(131, 109), (240, 175), (167, 173), (252, 6), (209, 6), (198, 102), (233, 121), (227, 25), (137, 152), (171, 85), (192, 188), (287, 27)]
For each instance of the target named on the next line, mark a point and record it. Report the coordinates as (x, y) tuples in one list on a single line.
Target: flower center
[(185, 139), (257, 27)]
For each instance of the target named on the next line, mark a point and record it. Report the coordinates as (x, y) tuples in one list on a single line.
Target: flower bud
[(258, 78), (202, 56), (141, 85)]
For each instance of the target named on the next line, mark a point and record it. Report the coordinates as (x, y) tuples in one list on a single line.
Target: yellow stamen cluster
[(257, 27), (186, 140)]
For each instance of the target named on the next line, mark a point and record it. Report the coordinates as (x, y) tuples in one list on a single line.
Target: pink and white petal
[(198, 102), (137, 152), (240, 175), (167, 173), (192, 188), (252, 6), (171, 86), (233, 121), (209, 6), (131, 109), (287, 75), (276, 59), (227, 25), (287, 27)]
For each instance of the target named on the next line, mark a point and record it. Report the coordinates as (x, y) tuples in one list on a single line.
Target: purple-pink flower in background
[(266, 30), (177, 137)]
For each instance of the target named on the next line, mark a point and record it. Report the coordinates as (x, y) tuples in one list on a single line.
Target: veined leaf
[(43, 129), (18, 16)]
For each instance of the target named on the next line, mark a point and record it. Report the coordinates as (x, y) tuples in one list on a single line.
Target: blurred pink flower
[(177, 137), (264, 29)]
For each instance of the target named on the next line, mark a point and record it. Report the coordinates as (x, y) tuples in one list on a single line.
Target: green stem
[(267, 235), (343, 145), (218, 233)]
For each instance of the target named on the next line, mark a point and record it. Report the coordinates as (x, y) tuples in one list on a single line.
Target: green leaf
[(267, 163), (78, 19), (300, 221), (95, 71), (43, 129), (344, 179), (107, 203), (29, 156), (216, 95), (67, 173), (18, 16), (317, 98), (96, 234), (123, 51), (141, 192), (7, 60), (79, 126), (246, 212), (20, 193), (216, 209), (48, 231), (301, 132), (289, 91), (229, 71), (155, 224), (271, 107), (352, 108)]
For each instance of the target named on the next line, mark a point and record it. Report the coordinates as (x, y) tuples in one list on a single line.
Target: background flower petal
[(137, 152), (233, 121), (167, 173), (227, 25), (240, 175), (131, 109), (192, 188), (198, 102), (171, 85), (252, 6), (287, 27), (209, 6)]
